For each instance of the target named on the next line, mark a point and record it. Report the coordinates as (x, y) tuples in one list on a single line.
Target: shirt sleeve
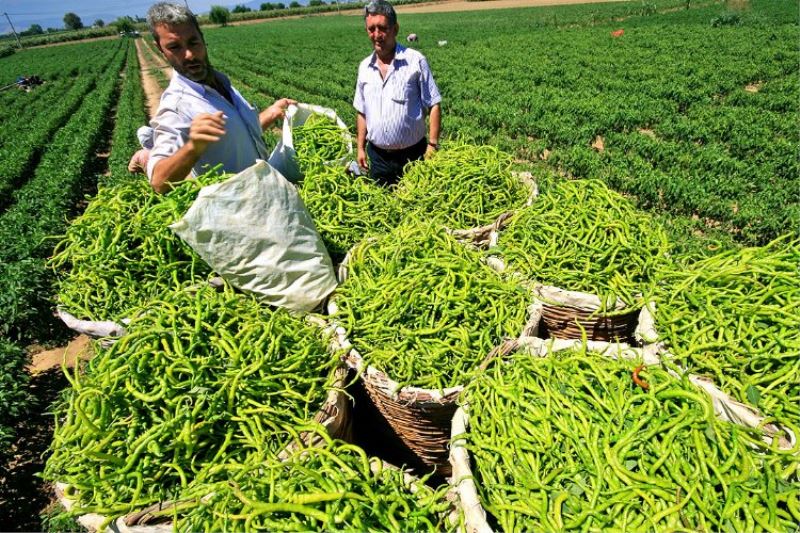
[(358, 99), (427, 85), (170, 132)]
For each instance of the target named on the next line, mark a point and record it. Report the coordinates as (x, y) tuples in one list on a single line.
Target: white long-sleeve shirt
[(182, 100)]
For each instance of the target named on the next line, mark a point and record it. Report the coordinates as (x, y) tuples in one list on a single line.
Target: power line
[(12, 29)]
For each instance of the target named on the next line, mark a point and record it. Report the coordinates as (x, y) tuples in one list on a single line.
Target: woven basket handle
[(503, 349)]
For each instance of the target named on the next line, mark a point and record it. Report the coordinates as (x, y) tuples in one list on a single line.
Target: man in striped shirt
[(395, 91)]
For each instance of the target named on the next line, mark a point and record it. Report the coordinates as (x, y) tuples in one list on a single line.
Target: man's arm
[(206, 128), (274, 112), (434, 126), (361, 140)]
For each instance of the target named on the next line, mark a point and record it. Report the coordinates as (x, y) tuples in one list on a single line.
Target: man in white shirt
[(201, 120), (395, 91)]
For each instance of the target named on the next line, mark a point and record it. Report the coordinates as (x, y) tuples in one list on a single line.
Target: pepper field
[(690, 112)]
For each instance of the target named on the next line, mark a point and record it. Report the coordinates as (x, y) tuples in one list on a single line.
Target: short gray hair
[(172, 14), (381, 7)]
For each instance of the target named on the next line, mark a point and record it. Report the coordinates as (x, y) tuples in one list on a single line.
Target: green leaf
[(753, 396)]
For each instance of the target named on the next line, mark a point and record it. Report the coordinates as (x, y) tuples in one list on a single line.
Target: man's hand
[(429, 151), (361, 158), (205, 129), (274, 112), (138, 163)]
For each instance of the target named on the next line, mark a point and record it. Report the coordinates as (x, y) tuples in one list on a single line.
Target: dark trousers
[(386, 166)]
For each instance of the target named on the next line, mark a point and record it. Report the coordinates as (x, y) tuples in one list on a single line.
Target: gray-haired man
[(201, 120), (395, 91)]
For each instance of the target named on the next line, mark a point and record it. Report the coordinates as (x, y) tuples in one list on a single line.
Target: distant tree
[(124, 24), (241, 9), (294, 3), (72, 21), (35, 29), (280, 5), (219, 15), (99, 23), (268, 6), (315, 3)]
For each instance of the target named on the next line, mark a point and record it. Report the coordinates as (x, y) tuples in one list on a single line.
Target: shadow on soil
[(24, 495)]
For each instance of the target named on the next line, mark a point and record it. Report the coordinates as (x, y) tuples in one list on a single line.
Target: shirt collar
[(200, 88), (399, 53)]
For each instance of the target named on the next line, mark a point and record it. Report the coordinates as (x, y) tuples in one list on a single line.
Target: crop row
[(129, 116), (35, 117), (42, 207)]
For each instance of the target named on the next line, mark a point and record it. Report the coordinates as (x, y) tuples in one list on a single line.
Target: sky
[(50, 13)]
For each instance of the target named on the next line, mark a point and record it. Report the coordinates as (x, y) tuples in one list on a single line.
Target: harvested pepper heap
[(202, 380), (735, 318), (120, 253), (462, 186), (580, 235), (334, 487), (575, 441), (347, 209), (423, 308), (319, 140)]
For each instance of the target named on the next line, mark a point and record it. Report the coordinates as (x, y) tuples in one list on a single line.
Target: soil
[(152, 90), (23, 494)]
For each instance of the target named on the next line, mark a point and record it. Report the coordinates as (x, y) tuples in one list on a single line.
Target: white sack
[(283, 157), (254, 231)]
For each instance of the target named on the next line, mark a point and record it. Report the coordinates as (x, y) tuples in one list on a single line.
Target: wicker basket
[(485, 237), (573, 315), (469, 507), (420, 418), (334, 416)]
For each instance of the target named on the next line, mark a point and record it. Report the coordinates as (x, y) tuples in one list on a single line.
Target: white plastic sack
[(255, 232), (283, 157)]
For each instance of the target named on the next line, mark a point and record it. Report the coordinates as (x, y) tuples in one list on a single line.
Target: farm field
[(694, 119), (690, 114)]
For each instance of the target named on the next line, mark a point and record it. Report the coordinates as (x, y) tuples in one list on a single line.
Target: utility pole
[(12, 29)]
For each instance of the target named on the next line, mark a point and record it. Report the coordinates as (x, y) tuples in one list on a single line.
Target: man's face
[(184, 49), (382, 35)]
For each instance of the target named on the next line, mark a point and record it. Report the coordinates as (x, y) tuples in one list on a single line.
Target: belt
[(394, 150)]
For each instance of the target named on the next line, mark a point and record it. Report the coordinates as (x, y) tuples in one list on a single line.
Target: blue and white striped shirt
[(182, 100), (395, 107)]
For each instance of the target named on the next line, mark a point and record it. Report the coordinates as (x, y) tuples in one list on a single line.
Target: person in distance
[(201, 119), (395, 91)]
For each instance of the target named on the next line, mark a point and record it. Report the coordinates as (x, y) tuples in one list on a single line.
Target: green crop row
[(41, 209), (130, 115), (36, 116)]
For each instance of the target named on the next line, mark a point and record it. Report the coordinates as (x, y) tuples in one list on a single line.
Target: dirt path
[(441, 7), (152, 90), (23, 494), (463, 5)]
